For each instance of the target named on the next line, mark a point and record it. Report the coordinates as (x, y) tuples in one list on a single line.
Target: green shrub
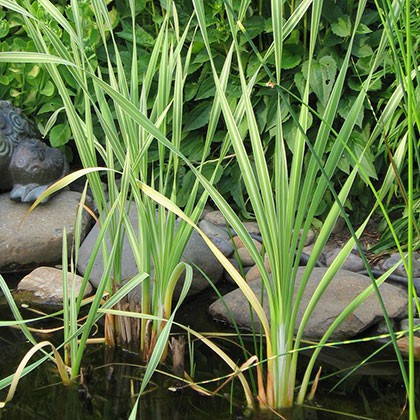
[(29, 87)]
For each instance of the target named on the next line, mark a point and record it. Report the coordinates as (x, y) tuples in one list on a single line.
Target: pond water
[(111, 376)]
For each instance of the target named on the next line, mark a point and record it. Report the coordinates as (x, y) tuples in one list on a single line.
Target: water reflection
[(112, 377)]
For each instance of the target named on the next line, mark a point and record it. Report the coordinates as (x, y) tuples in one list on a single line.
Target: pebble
[(308, 249), (416, 322), (216, 217), (309, 237), (245, 257), (252, 227), (382, 328), (339, 226), (352, 263), (207, 209), (403, 345), (400, 270), (212, 230), (237, 242), (225, 247), (254, 273)]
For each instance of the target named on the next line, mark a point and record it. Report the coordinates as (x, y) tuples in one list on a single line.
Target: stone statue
[(27, 165)]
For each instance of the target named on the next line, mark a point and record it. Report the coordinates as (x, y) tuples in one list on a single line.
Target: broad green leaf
[(48, 89), (292, 56), (299, 79), (322, 77), (34, 72), (4, 79), (332, 13), (344, 165), (358, 145), (354, 84), (190, 91), (206, 89), (363, 29), (361, 51), (59, 135), (14, 93), (184, 191), (192, 146), (202, 56), (342, 27), (291, 131), (143, 38), (51, 105), (344, 108), (255, 25), (198, 117), (321, 208), (208, 171), (4, 28)]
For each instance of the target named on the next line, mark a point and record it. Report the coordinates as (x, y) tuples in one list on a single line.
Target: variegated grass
[(125, 147), (283, 203), (123, 144)]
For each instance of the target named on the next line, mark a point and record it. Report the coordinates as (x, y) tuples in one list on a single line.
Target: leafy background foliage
[(28, 86)]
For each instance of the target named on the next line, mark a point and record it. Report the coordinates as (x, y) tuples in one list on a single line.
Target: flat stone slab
[(345, 286), (37, 239), (44, 286), (197, 253)]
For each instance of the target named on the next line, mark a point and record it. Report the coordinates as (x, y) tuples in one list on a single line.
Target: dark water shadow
[(112, 376)]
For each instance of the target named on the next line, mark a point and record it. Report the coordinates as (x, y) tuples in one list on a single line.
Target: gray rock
[(308, 249), (216, 217), (310, 236), (404, 325), (44, 286), (196, 253), (394, 258), (37, 239), (247, 269), (404, 346), (237, 242), (245, 257), (381, 328), (342, 290), (207, 209), (252, 227), (340, 224), (225, 247), (235, 263), (253, 273), (213, 231), (352, 262)]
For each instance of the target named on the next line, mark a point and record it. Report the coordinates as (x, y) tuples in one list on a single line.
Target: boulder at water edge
[(34, 240), (44, 286), (196, 253), (345, 286)]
